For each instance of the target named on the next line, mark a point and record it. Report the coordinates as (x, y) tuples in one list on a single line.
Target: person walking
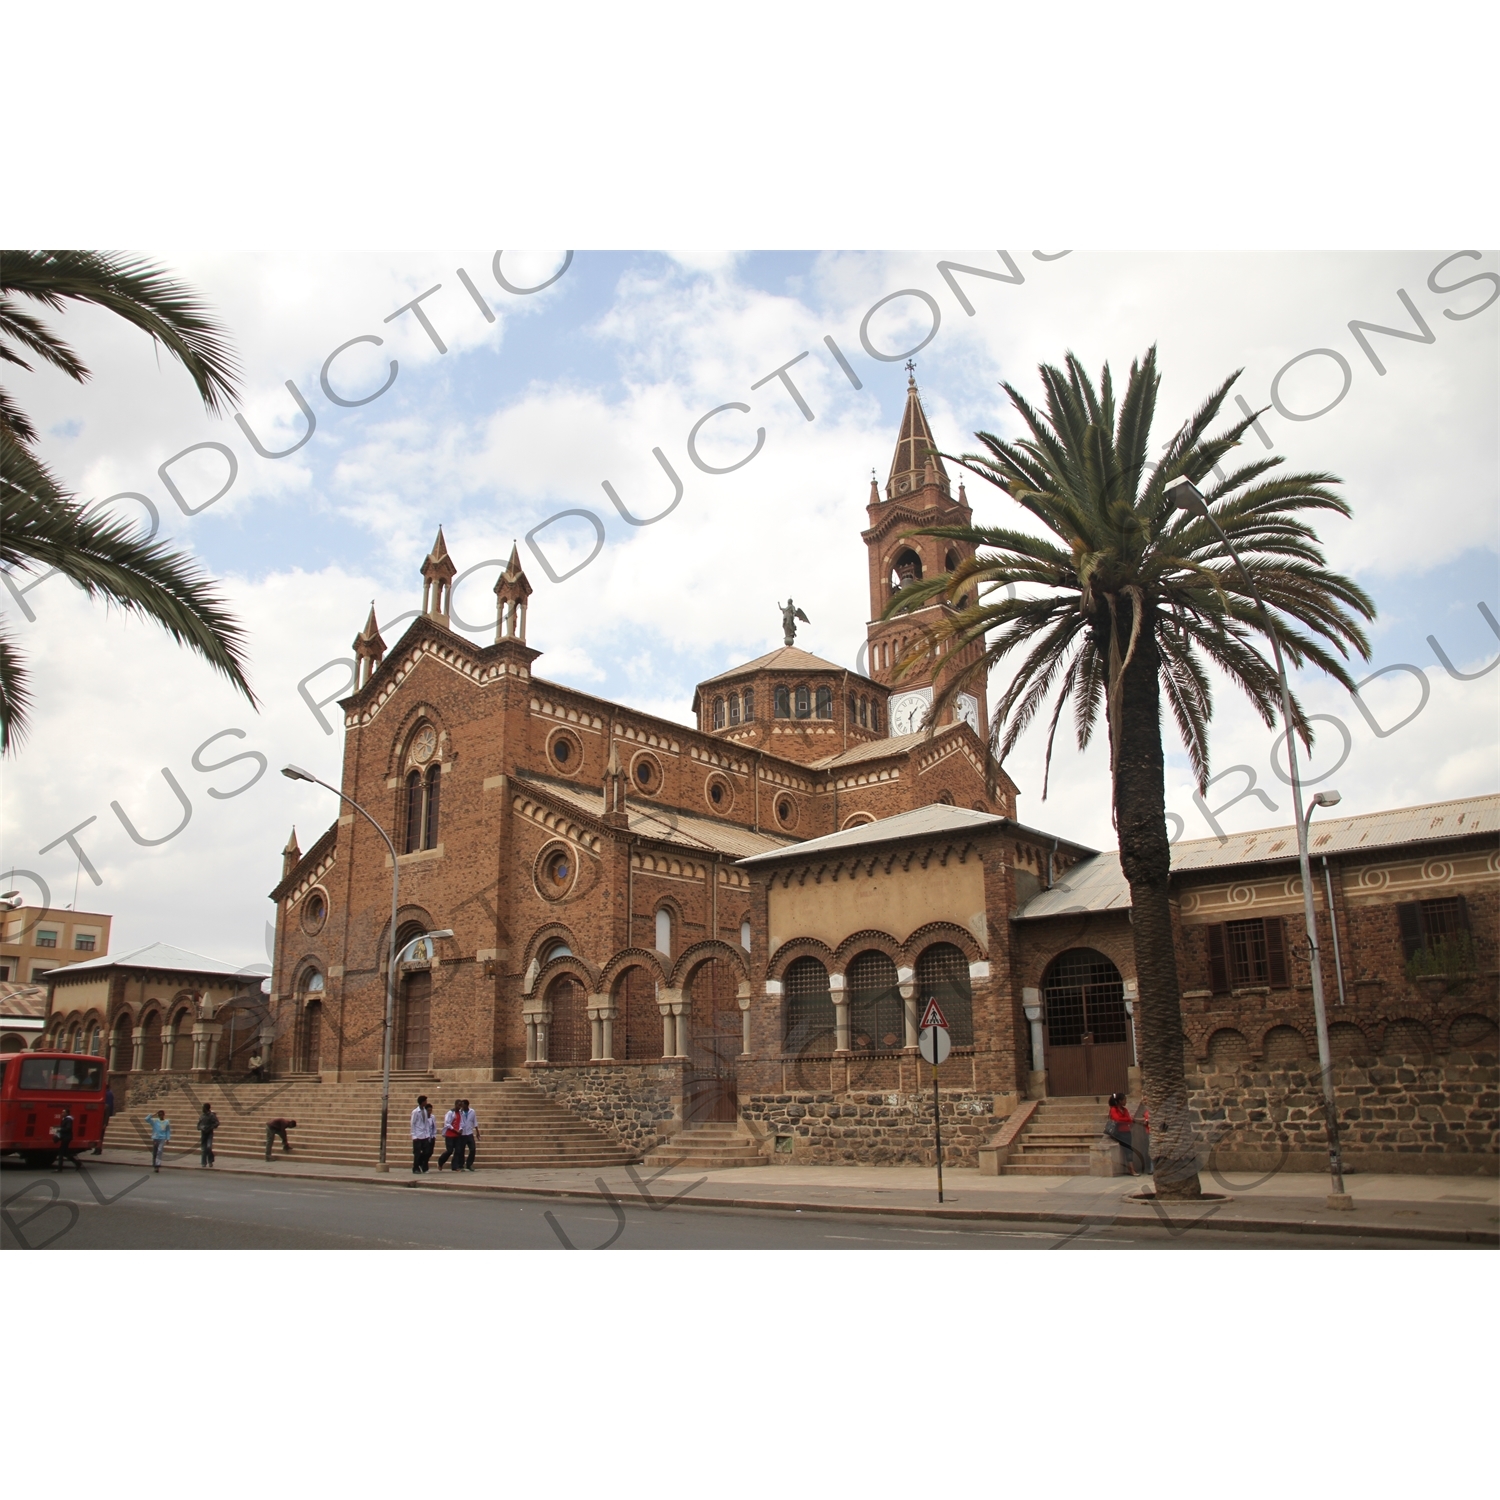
[(468, 1135), (62, 1133), (423, 1129), (1118, 1130), (452, 1130), (208, 1122), (109, 1109), (276, 1127), (161, 1133)]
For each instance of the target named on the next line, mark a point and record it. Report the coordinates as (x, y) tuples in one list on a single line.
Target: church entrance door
[(715, 1032), (415, 1034), (1088, 1036)]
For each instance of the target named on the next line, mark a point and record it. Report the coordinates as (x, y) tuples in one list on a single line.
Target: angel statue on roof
[(790, 614)]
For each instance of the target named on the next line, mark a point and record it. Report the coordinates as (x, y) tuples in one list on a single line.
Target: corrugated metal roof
[(898, 744), (935, 818), (688, 830), (153, 956), (1098, 884)]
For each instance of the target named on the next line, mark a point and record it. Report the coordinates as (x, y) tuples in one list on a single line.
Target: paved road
[(124, 1208)]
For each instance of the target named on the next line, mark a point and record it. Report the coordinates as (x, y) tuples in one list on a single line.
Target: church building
[(668, 929)]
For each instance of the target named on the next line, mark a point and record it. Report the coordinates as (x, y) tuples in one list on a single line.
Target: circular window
[(786, 812), (557, 870), (647, 774), (719, 793), (314, 912), (566, 753)]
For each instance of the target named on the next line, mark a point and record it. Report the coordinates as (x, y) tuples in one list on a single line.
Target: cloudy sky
[(516, 419)]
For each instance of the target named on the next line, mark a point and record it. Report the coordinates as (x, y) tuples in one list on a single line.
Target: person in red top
[(1118, 1129)]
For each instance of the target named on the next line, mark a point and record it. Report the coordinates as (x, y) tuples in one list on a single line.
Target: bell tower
[(917, 493)]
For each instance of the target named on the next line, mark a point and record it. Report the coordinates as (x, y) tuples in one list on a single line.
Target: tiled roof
[(898, 744), (921, 821), (156, 956), (1099, 884), (782, 659), (667, 824)]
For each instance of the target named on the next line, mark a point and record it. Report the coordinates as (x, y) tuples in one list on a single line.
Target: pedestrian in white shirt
[(467, 1136), (423, 1133)]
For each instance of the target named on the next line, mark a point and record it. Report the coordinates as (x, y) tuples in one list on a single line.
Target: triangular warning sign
[(933, 1016)]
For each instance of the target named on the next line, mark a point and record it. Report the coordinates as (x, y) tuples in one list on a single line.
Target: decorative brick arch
[(793, 949), (407, 916), (1227, 1044), (943, 932), (1286, 1044), (860, 942), (569, 963), (632, 958), (422, 711), (548, 932), (699, 953)]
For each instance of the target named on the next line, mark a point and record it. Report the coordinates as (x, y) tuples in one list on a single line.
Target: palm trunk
[(1145, 859)]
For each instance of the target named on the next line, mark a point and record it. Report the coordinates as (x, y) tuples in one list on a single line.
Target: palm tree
[(1126, 602), (42, 525)]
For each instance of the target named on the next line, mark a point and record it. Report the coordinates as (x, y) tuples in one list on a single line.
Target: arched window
[(122, 1052), (412, 840), (182, 1041), (422, 793), (151, 1052), (853, 709), (943, 975), (96, 1042), (749, 705), (783, 704), (745, 934), (809, 1008), (804, 702), (906, 569), (1084, 996), (875, 714), (864, 712), (825, 703), (557, 948), (718, 713), (877, 1017), (664, 931), (734, 708)]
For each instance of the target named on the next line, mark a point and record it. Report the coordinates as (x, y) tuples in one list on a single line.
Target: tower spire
[(915, 464), (369, 651), (512, 590), (438, 573)]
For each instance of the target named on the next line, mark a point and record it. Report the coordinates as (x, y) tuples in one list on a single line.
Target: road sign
[(933, 1016), (935, 1044)]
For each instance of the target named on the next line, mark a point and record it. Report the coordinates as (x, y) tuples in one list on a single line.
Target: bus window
[(51, 1074)]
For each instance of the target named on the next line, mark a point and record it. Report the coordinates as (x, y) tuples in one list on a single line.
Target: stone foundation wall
[(1396, 1114), (636, 1104), (870, 1129)]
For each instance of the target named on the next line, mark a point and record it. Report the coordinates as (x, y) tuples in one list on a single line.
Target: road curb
[(1156, 1219)]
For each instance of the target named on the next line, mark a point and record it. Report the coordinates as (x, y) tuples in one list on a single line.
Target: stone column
[(114, 1050), (668, 1031), (267, 1047), (1036, 1087), (541, 1038), (601, 1012), (212, 1031), (530, 1039), (840, 997), (137, 1049), (743, 997), (681, 1006), (168, 1048), (907, 984)]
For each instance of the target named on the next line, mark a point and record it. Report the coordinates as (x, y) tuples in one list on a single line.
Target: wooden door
[(715, 1033), (312, 1037), (416, 1022)]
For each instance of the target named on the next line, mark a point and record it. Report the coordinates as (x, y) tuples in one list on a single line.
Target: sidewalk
[(1441, 1209)]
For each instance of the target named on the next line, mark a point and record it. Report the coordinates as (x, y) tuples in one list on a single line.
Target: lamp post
[(296, 773), (1182, 494)]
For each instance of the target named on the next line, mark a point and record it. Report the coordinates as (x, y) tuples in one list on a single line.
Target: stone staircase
[(1057, 1138), (339, 1123), (704, 1147)]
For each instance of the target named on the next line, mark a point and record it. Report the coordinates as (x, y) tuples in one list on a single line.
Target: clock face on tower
[(967, 709), (908, 710)]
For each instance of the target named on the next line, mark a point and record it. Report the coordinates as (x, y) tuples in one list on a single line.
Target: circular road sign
[(935, 1044)]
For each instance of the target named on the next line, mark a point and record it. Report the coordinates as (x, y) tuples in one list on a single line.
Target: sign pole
[(937, 1125)]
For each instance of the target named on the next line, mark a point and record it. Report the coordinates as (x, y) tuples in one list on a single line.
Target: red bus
[(34, 1091)]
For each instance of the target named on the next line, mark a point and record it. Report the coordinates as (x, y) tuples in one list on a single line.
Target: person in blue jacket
[(161, 1133)]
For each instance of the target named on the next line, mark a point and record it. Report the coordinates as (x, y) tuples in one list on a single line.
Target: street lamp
[(296, 773), (1182, 494)]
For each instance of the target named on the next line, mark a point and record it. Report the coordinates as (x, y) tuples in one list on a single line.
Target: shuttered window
[(1424, 924), (1251, 952)]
